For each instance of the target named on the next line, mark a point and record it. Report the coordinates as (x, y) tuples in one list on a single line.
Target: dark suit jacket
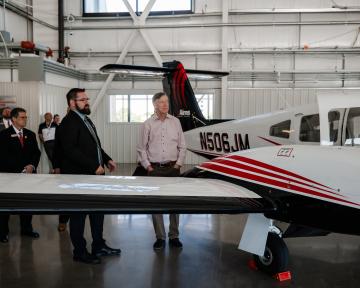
[(57, 153), (13, 157), (77, 147), (2, 125)]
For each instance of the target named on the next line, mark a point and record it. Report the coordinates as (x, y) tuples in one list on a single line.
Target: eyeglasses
[(83, 99)]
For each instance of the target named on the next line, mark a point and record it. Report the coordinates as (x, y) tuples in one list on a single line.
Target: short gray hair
[(158, 96)]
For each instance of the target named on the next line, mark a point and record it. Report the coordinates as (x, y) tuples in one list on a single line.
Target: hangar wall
[(259, 40)]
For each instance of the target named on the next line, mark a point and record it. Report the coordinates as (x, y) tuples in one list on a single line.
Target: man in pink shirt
[(161, 151)]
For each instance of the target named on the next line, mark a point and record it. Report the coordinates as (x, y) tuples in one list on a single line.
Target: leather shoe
[(105, 251), (159, 244), (175, 243), (31, 234), (4, 239), (87, 258)]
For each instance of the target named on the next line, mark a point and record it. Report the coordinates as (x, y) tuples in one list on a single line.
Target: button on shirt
[(161, 141)]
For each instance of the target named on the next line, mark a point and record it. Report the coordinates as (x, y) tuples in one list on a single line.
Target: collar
[(49, 124), (156, 117), (8, 121), (82, 116), (17, 131)]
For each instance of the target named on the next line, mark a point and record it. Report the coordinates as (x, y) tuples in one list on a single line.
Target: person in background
[(6, 118), (19, 154), (81, 153), (47, 135), (161, 151), (57, 119)]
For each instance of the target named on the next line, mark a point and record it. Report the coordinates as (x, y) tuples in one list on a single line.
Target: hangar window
[(139, 107), (102, 8), (310, 128), (281, 129), (206, 104)]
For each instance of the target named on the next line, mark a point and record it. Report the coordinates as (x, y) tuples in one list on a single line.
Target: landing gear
[(276, 256)]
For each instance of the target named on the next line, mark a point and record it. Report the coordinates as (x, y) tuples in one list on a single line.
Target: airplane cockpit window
[(281, 129), (334, 123), (310, 128), (353, 127)]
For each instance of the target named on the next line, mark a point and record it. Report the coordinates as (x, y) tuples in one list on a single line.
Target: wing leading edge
[(51, 194)]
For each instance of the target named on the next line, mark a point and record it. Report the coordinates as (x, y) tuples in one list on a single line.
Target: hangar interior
[(279, 55)]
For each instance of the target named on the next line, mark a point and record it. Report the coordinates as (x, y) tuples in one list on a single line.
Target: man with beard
[(81, 153), (6, 120)]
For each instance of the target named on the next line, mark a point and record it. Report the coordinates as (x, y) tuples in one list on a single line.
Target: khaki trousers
[(158, 219)]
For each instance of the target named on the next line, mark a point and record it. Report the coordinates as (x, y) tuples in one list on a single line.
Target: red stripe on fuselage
[(263, 172), (270, 141), (264, 181), (273, 168)]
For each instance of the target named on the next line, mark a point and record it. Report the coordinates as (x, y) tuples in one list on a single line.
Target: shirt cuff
[(145, 163)]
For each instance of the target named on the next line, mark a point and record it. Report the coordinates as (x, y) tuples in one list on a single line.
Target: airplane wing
[(51, 194), (137, 70)]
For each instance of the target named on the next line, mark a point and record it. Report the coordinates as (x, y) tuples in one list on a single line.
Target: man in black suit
[(19, 154), (81, 153), (6, 118)]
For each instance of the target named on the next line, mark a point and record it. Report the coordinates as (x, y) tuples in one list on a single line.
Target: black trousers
[(63, 219), (25, 224), (77, 225), (49, 149)]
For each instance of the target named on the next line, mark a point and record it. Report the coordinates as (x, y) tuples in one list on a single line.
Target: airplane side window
[(353, 127), (334, 117), (310, 128), (281, 129)]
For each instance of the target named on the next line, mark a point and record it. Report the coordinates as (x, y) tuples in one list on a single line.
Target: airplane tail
[(183, 103)]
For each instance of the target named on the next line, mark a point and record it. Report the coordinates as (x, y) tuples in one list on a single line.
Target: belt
[(163, 164)]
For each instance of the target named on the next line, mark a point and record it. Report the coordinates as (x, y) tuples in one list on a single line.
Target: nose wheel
[(276, 256)]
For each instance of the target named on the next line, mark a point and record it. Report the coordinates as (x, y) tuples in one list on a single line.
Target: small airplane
[(216, 137), (312, 187)]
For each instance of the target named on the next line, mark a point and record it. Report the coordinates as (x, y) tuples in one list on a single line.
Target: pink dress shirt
[(161, 141)]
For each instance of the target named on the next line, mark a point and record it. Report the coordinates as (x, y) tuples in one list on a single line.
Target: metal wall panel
[(249, 102)]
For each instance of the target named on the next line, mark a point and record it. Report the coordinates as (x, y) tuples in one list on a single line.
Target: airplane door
[(351, 127)]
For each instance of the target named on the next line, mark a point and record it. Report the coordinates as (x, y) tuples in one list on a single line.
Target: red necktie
[(21, 138)]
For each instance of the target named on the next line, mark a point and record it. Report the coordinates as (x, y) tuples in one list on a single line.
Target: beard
[(86, 110)]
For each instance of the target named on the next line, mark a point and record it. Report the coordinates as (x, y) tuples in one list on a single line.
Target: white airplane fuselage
[(298, 126), (300, 180)]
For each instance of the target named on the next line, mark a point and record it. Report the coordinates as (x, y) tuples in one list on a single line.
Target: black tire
[(276, 256)]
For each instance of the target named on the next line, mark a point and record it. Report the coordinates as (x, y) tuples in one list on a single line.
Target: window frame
[(301, 121), (277, 124), (127, 14), (147, 92)]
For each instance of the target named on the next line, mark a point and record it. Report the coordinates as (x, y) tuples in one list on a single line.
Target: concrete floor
[(209, 258)]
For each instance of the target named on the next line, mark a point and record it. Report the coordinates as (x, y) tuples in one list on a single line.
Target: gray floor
[(209, 259)]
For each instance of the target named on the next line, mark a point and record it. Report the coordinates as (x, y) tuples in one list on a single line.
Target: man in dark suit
[(81, 153), (19, 154), (6, 118)]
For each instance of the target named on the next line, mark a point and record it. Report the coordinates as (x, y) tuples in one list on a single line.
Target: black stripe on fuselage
[(16, 203), (296, 208)]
